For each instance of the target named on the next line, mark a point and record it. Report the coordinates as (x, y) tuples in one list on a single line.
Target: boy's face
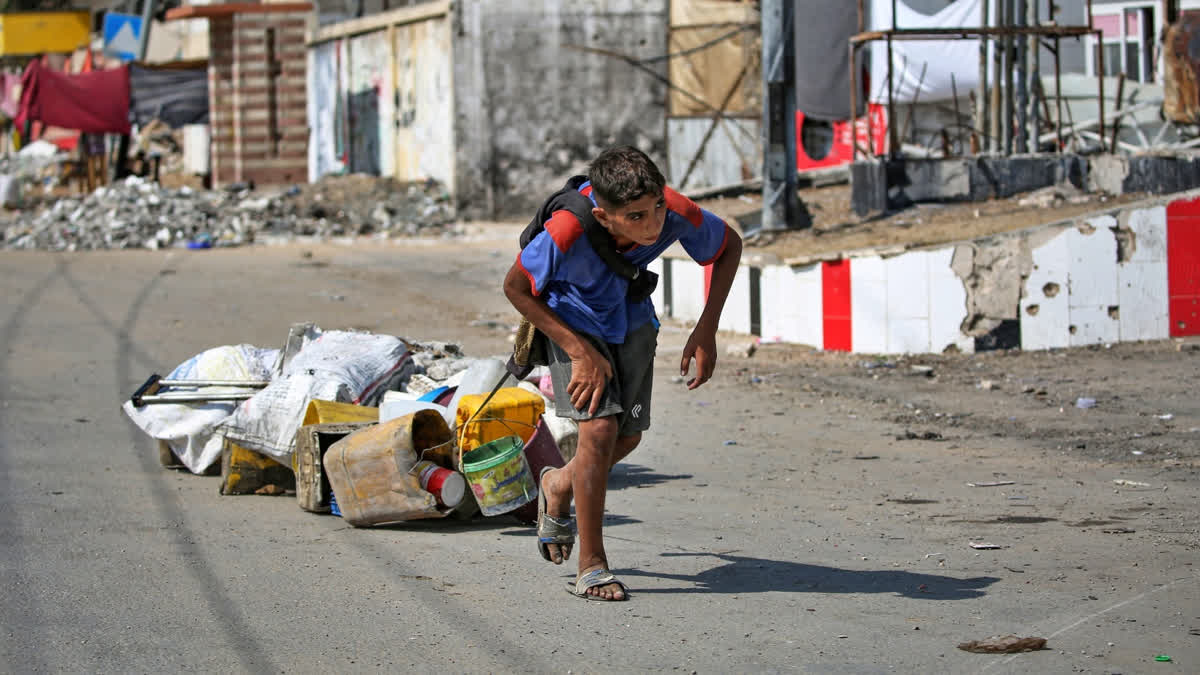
[(638, 222)]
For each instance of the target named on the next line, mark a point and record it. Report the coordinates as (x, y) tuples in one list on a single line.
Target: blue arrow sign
[(121, 33)]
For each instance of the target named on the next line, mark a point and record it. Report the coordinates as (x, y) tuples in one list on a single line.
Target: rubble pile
[(137, 213)]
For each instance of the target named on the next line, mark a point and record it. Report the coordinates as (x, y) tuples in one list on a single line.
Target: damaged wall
[(531, 106), (381, 97), (1128, 274)]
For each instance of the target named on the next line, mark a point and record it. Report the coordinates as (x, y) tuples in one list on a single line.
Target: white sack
[(190, 428), (938, 58), (341, 366)]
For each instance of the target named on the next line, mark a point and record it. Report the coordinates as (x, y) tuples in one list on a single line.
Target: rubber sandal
[(550, 529), (597, 577)]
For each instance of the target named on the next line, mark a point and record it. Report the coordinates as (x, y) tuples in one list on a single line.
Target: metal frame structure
[(1014, 27)]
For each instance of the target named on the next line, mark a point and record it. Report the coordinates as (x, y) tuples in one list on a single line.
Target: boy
[(603, 338)]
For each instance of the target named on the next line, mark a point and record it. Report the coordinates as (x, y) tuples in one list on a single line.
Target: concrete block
[(922, 180), (1107, 174), (907, 336), (868, 187), (1093, 326), (1143, 307), (1149, 227), (736, 314), (1044, 308), (658, 297), (868, 305), (1000, 177), (1161, 175), (792, 304), (947, 303), (1092, 276), (687, 289), (907, 277)]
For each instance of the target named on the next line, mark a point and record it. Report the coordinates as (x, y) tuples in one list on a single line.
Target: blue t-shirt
[(563, 268)]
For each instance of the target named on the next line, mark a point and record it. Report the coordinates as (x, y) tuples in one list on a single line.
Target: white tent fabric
[(939, 59)]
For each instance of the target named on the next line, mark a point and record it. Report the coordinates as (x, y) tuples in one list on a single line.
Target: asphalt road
[(764, 526)]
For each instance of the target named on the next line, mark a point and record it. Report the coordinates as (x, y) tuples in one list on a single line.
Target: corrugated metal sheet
[(733, 153), (424, 112)]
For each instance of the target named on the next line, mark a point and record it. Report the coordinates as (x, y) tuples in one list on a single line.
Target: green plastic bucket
[(499, 475)]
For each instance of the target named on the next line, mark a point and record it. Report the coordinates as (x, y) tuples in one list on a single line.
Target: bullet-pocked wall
[(539, 90), (1125, 274)]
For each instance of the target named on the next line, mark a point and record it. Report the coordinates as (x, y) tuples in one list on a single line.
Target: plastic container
[(369, 470), (540, 451), (499, 476), (480, 378), (512, 411), (448, 486), (394, 408)]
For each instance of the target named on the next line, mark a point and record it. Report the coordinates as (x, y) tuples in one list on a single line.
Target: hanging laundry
[(947, 65), (96, 102), (10, 97), (176, 96), (823, 30)]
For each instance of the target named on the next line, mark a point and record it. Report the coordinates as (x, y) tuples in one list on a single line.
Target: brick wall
[(256, 79)]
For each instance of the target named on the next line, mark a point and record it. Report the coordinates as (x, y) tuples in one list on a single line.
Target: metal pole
[(854, 96), (1035, 89), (893, 138), (862, 25), (779, 116), (144, 33), (893, 144), (1100, 61), (981, 108), (1058, 90), (1007, 131), (1022, 69)]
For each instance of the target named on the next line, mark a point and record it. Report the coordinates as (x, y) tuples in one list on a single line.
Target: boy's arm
[(589, 369), (702, 345)]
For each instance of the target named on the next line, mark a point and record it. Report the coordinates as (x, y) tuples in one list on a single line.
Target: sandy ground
[(834, 227), (803, 512)]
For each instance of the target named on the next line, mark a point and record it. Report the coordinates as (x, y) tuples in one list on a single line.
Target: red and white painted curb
[(1086, 286)]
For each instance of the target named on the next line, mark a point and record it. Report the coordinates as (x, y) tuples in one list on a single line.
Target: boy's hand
[(702, 345), (589, 375)]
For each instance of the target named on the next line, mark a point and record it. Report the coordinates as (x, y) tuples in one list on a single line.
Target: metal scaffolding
[(1003, 123)]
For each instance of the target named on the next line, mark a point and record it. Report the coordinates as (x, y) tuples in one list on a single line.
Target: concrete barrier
[(1125, 274)]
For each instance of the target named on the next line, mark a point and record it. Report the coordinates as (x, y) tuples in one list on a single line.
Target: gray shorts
[(627, 394)]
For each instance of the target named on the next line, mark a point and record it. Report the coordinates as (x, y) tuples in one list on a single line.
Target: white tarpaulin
[(190, 428), (938, 59), (344, 366)]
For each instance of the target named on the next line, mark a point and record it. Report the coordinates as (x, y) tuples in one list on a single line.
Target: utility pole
[(779, 116), (144, 33)]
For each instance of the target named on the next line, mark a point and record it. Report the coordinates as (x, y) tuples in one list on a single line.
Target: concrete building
[(500, 101)]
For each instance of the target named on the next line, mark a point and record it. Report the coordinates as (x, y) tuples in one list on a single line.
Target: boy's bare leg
[(585, 478)]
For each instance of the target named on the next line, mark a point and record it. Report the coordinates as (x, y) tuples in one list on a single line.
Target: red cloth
[(94, 103)]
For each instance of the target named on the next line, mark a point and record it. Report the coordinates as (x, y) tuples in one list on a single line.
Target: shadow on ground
[(743, 574), (638, 476)]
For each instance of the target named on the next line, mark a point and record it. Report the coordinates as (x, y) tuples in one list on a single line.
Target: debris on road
[(1008, 644), (1083, 403), (924, 436), (137, 213), (984, 546), (1129, 483), (994, 483), (742, 350)]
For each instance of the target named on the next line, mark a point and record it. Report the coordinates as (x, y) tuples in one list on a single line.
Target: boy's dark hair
[(624, 174)]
